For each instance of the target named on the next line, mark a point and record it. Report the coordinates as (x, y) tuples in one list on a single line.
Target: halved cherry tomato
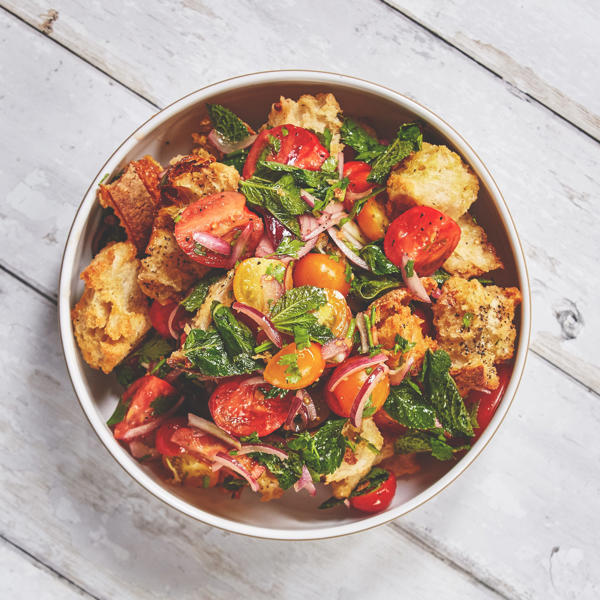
[(223, 215), (378, 499), (425, 234), (163, 442), (141, 394), (488, 403), (297, 146), (242, 409), (322, 270), (292, 369), (372, 219), (336, 314), (342, 398), (258, 280), (196, 442), (357, 172), (159, 317)]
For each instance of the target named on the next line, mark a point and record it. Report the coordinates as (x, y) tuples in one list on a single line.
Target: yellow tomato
[(293, 369), (252, 278), (372, 219), (336, 314)]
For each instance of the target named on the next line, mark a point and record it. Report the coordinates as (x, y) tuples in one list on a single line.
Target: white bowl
[(166, 134)]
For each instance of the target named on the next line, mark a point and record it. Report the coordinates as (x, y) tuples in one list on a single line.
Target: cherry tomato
[(196, 442), (424, 313), (488, 403), (322, 270), (357, 172), (163, 442), (242, 409), (336, 314), (378, 499), (297, 146), (425, 234), (140, 394), (223, 215), (372, 219), (257, 280), (293, 369), (342, 398), (159, 317)]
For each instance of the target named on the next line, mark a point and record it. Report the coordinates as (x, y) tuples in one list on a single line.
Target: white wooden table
[(520, 80)]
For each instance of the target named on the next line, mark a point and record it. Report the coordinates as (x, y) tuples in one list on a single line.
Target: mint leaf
[(368, 286), (301, 337), (161, 404), (370, 482), (236, 159), (289, 246), (236, 336), (197, 295), (154, 349), (227, 123), (378, 262), (296, 303), (433, 442), (406, 405), (357, 138), (440, 277)]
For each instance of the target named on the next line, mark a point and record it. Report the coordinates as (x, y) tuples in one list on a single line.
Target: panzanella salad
[(301, 301)]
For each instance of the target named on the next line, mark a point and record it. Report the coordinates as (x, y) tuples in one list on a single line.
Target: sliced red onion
[(172, 331), (354, 196), (261, 320), (273, 290), (210, 427), (305, 482), (355, 365), (253, 381), (353, 234), (227, 461), (334, 207), (368, 386), (146, 428), (240, 245), (324, 222), (337, 349), (340, 159), (139, 449), (265, 449), (350, 254), (212, 242), (308, 404), (221, 144), (294, 408), (397, 375), (307, 247), (414, 283), (361, 325), (265, 247), (308, 198), (307, 224)]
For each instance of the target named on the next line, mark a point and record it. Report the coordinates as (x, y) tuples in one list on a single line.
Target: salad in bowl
[(296, 302)]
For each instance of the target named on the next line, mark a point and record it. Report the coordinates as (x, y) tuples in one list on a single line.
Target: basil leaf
[(227, 123), (406, 405)]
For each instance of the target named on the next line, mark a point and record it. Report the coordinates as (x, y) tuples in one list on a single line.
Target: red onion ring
[(210, 427), (217, 140), (227, 461), (240, 245), (265, 247), (172, 331), (361, 325), (333, 208), (307, 247), (324, 222), (212, 242), (308, 404), (146, 428), (338, 349), (355, 365), (261, 320), (340, 159), (273, 290), (308, 198), (350, 254), (397, 375), (368, 386), (305, 482), (354, 196), (265, 449), (294, 408), (413, 283)]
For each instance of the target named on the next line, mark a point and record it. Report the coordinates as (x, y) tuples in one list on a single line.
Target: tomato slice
[(336, 314), (293, 369), (160, 314), (373, 220), (163, 442), (243, 409), (357, 172), (223, 215), (141, 394), (322, 270), (378, 499), (258, 282), (196, 442), (425, 234), (297, 146)]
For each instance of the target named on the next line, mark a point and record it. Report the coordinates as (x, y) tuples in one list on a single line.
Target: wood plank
[(543, 181), (92, 523), (548, 50)]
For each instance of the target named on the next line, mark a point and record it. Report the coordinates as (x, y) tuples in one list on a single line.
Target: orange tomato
[(322, 270), (293, 369), (372, 219), (336, 314)]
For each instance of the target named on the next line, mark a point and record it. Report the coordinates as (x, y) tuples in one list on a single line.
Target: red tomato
[(378, 499), (159, 316), (424, 313), (425, 234), (223, 215), (242, 409), (357, 172), (163, 443), (141, 394), (384, 422), (297, 146), (488, 403), (198, 443), (321, 270)]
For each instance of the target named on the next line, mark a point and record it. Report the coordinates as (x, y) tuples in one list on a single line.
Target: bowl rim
[(274, 77)]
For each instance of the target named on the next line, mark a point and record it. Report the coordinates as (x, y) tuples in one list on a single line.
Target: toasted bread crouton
[(112, 315), (268, 487), (475, 327), (134, 197), (190, 471), (435, 176), (393, 317), (166, 272), (398, 464), (220, 291), (357, 463), (474, 255), (318, 113), (193, 176)]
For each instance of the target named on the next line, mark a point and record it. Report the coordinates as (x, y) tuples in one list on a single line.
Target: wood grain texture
[(548, 50), (548, 171)]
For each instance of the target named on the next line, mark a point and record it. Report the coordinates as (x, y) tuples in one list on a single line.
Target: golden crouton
[(475, 327), (193, 176), (435, 176), (394, 317), (112, 315), (474, 255), (134, 197), (220, 291), (318, 113), (398, 464), (358, 462), (166, 272)]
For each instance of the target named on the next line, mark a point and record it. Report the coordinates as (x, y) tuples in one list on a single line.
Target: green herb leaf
[(331, 502), (227, 123), (440, 277), (356, 137), (276, 270), (196, 297), (368, 286), (286, 471), (359, 205), (409, 269), (296, 303), (119, 413), (161, 404), (402, 344), (301, 337), (236, 336), (378, 262), (292, 372), (236, 159), (406, 405), (126, 374), (370, 482), (466, 320), (303, 178), (154, 349), (325, 138), (289, 246), (427, 441)]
